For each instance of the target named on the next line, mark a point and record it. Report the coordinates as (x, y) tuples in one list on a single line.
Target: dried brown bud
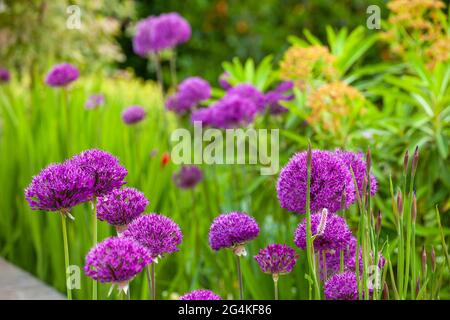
[(309, 156), (378, 223), (415, 161), (399, 203), (368, 161), (343, 200), (417, 286), (414, 208), (385, 291), (433, 259), (405, 162)]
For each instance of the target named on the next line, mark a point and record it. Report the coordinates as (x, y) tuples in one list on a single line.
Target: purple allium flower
[(276, 259), (5, 76), (158, 233), (342, 286), (188, 177), (335, 234), (116, 260), (223, 81), (230, 230), (61, 75), (59, 187), (200, 294), (133, 114), (121, 206), (275, 96), (231, 111), (356, 161), (190, 92), (329, 179), (247, 91), (103, 167), (156, 33), (94, 101)]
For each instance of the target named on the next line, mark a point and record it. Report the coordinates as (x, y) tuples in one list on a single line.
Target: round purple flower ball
[(95, 101), (121, 206), (355, 160), (277, 95), (116, 260), (61, 75), (247, 91), (276, 259), (231, 230), (59, 187), (156, 33), (188, 177), (223, 81), (103, 167), (200, 294), (133, 114), (190, 92), (5, 76), (158, 233), (342, 286), (330, 178), (334, 234)]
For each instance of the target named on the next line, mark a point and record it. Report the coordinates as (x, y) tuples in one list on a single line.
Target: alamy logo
[(230, 146)]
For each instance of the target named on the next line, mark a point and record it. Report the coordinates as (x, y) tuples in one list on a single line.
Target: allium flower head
[(188, 177), (59, 187), (232, 111), (223, 81), (190, 92), (276, 259), (116, 260), (275, 96), (94, 101), (121, 206), (247, 91), (61, 75), (158, 233), (329, 179), (342, 286), (200, 294), (157, 33), (103, 167), (133, 114), (336, 234), (355, 160), (5, 76), (230, 230)]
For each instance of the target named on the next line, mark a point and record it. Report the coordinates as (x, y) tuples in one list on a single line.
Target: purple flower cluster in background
[(277, 95), (116, 260), (133, 114), (121, 206), (190, 93), (342, 286), (188, 177), (94, 101), (248, 91), (232, 229), (276, 259), (5, 76), (158, 233), (223, 81), (156, 33), (62, 75), (200, 294)]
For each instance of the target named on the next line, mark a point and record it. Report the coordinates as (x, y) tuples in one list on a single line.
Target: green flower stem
[(151, 280), (66, 253), (275, 285), (94, 241), (239, 274)]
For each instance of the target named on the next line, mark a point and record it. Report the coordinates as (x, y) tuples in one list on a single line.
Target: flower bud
[(433, 259), (414, 208), (424, 260), (378, 223), (415, 161), (385, 292), (405, 162), (399, 203)]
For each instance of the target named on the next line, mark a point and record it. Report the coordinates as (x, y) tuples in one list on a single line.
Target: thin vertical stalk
[(275, 285), (66, 253), (94, 241), (157, 65), (151, 281), (173, 69), (239, 274)]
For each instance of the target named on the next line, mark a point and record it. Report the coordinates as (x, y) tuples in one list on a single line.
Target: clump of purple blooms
[(277, 95), (330, 178), (133, 114), (156, 33), (224, 81), (158, 233), (190, 93), (94, 101), (59, 187), (276, 259), (103, 168), (121, 206), (247, 91), (342, 286), (232, 230), (116, 260), (188, 177), (200, 294), (62, 75), (5, 76)]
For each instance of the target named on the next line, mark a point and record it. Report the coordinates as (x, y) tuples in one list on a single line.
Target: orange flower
[(165, 159)]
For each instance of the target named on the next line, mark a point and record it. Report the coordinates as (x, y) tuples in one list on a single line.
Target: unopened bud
[(368, 161), (309, 156), (343, 200), (378, 223), (406, 161), (414, 208), (415, 161), (399, 203), (323, 222), (433, 259), (385, 292), (417, 287), (424, 260)]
